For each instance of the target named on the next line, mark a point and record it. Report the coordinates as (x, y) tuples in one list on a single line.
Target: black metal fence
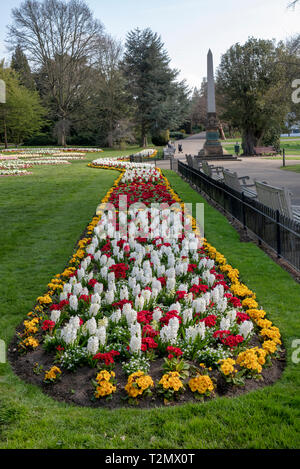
[(280, 233)]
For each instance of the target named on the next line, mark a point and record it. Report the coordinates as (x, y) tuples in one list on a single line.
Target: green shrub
[(161, 138), (177, 135)]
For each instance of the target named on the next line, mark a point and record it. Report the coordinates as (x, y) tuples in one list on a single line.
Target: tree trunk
[(144, 136), (110, 135), (249, 141), (5, 135), (221, 130), (145, 142)]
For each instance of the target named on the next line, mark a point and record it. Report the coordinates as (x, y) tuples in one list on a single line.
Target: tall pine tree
[(151, 82), (20, 64)]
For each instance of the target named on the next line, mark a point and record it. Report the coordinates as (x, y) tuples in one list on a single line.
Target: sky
[(188, 28)]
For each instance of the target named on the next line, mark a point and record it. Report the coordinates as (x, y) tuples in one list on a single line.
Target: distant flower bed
[(14, 172), (23, 159), (50, 151), (128, 302)]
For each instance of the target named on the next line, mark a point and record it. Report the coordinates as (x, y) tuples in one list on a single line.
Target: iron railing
[(277, 231)]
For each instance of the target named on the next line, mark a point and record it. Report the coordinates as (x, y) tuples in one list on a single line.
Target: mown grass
[(291, 147), (293, 167), (41, 218)]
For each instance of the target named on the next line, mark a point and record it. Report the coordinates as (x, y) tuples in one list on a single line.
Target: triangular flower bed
[(145, 320)]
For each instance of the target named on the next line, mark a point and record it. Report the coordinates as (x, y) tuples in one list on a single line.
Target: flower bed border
[(211, 252)]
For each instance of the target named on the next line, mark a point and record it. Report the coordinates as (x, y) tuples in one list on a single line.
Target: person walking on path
[(180, 150)]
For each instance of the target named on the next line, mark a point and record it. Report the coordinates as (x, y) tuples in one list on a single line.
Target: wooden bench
[(278, 198), (196, 163), (189, 160), (239, 183), (265, 150), (215, 172)]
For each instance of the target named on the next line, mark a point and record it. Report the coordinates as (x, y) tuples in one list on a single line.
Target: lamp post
[(2, 92), (283, 157), (3, 98)]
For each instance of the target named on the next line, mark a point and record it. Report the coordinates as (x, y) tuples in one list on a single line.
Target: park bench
[(169, 153), (196, 163), (278, 198), (189, 160), (215, 172), (239, 183), (265, 150)]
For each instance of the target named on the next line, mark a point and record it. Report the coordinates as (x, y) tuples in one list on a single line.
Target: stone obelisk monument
[(212, 148)]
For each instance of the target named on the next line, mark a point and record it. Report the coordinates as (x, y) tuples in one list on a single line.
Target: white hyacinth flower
[(170, 284), (73, 302), (94, 309), (96, 299), (101, 334), (109, 297), (225, 324), (199, 305), (231, 315), (187, 315), (93, 345), (245, 328), (98, 288), (91, 326), (193, 332), (55, 315), (157, 314), (116, 316), (63, 296), (222, 305)]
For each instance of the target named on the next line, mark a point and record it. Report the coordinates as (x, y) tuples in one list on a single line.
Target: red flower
[(92, 282), (197, 289), (228, 339), (148, 342), (119, 270), (220, 334), (148, 331), (144, 316), (106, 247), (63, 303), (233, 300), (86, 298), (241, 317), (106, 357), (180, 295), (174, 350), (121, 303), (210, 320), (192, 267), (163, 281), (233, 340), (170, 314), (48, 325)]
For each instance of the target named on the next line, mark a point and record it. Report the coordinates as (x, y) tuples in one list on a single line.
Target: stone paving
[(254, 167)]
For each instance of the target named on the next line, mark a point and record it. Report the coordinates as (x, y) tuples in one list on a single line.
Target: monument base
[(213, 149), (214, 152), (217, 158)]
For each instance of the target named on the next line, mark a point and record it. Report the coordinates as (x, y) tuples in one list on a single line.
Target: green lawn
[(291, 147), (41, 218), (293, 167)]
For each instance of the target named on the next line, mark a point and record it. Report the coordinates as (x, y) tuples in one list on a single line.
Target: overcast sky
[(188, 28)]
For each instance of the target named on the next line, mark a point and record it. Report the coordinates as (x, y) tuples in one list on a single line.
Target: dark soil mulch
[(77, 388)]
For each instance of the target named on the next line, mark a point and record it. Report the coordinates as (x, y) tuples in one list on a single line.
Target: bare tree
[(112, 95), (60, 38)]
